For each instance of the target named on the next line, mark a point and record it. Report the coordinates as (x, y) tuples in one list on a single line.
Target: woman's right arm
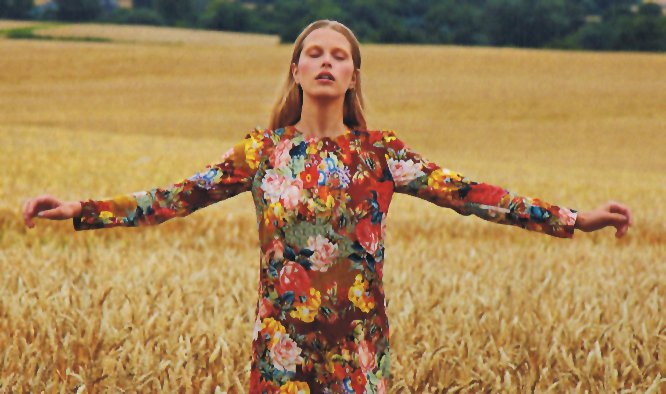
[(218, 181)]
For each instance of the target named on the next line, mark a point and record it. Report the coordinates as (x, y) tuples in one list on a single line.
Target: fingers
[(26, 214), (40, 203), (620, 222), (616, 207), (49, 213), (621, 216)]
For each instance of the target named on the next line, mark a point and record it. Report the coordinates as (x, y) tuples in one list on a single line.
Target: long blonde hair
[(287, 109)]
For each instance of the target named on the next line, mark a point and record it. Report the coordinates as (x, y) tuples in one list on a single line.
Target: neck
[(321, 117)]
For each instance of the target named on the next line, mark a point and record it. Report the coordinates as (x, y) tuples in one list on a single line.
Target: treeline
[(566, 24)]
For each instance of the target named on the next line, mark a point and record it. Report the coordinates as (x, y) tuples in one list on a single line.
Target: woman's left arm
[(415, 175)]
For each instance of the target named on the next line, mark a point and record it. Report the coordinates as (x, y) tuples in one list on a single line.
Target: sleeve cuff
[(569, 217)]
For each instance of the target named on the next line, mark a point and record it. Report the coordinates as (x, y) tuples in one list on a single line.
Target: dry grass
[(161, 35), (6, 24), (473, 306)]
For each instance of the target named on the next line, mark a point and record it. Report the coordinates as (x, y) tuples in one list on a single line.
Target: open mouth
[(325, 76)]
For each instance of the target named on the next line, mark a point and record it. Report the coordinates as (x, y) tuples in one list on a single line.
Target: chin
[(325, 95)]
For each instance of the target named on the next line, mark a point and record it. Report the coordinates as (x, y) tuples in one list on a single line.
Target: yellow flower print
[(308, 310), (274, 211), (105, 214), (390, 136), (295, 387), (252, 148), (312, 149), (271, 326), (357, 294)]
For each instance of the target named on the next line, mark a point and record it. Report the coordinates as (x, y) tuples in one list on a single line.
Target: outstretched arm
[(218, 181), (414, 175)]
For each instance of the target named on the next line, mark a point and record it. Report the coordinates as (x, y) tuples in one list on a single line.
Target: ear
[(354, 77), (294, 72)]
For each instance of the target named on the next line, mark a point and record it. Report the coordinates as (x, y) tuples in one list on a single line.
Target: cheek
[(306, 67), (346, 71)]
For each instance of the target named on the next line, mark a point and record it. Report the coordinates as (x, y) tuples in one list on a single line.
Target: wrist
[(76, 208), (580, 219)]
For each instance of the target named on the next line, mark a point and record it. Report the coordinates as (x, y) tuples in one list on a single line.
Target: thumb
[(49, 213)]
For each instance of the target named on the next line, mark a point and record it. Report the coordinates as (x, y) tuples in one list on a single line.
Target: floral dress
[(321, 207)]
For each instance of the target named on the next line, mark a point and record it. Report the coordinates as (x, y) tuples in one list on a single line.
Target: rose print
[(265, 308), (285, 353), (358, 381), (257, 328), (324, 254), (366, 356), (404, 171), (278, 187), (294, 278), (483, 193), (280, 156), (368, 234), (275, 249), (382, 386), (292, 192), (272, 184)]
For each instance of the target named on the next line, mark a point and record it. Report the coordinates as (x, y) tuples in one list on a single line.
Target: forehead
[(326, 38)]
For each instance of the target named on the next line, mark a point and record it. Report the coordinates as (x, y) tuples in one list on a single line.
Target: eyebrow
[(313, 46)]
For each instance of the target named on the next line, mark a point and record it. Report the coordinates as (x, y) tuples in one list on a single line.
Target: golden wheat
[(473, 306), (162, 35)]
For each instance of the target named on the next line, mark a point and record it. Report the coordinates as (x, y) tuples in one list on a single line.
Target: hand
[(49, 207), (610, 214)]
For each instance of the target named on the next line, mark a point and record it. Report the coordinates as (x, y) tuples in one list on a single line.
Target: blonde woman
[(322, 183)]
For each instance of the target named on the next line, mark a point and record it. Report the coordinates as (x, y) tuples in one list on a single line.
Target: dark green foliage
[(78, 10), (568, 24), (140, 16), (15, 9)]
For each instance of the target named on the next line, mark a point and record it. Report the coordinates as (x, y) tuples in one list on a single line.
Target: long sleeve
[(230, 176), (414, 175)]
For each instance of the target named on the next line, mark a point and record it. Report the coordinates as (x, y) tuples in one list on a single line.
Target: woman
[(322, 184)]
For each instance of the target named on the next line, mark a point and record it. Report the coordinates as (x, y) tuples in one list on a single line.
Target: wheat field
[(473, 306)]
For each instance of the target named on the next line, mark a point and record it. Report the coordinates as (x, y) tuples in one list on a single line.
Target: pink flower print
[(275, 249), (381, 386), (324, 254), (366, 356), (272, 184), (265, 308), (257, 328), (291, 195), (285, 353), (280, 156), (403, 171)]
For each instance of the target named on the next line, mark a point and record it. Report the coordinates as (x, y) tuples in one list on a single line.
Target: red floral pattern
[(321, 206)]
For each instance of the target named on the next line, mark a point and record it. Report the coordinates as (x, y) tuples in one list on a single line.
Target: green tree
[(227, 15), (175, 12), (457, 22), (640, 32), (15, 9), (78, 10), (530, 23)]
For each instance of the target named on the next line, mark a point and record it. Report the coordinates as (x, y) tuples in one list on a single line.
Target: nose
[(326, 60)]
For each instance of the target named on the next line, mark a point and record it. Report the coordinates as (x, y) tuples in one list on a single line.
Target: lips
[(325, 74)]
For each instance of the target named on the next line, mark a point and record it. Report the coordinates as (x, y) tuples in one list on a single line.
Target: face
[(325, 50)]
